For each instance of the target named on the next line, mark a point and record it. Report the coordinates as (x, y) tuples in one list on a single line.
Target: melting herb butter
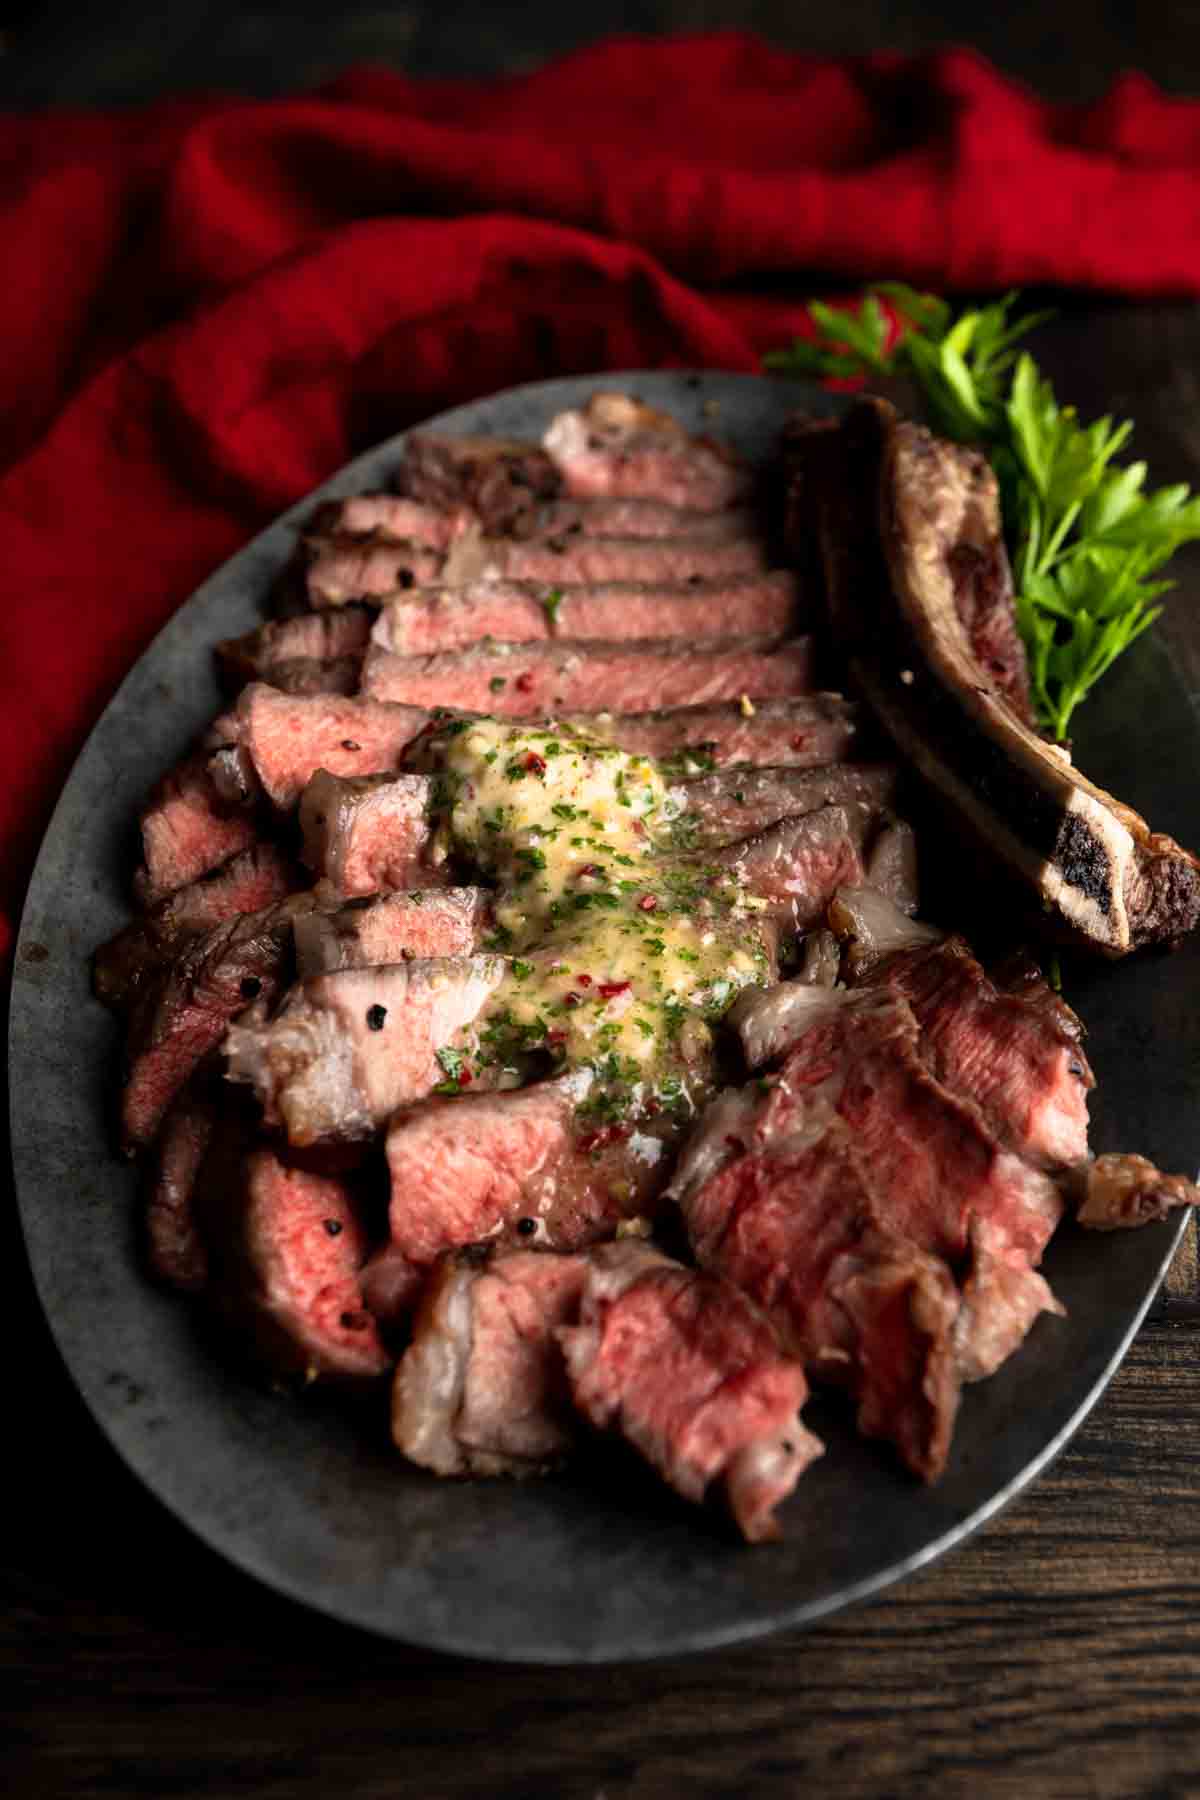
[(622, 951)]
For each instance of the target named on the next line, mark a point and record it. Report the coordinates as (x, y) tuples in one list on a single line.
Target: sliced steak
[(1087, 867), (507, 1166), (481, 1389), (852, 1182), (1122, 1191), (395, 516), (185, 1014), (637, 519), (804, 732), (615, 446), (585, 561), (248, 882), (392, 928), (188, 827), (365, 834), (524, 679), (175, 1246), (515, 612), (347, 1049), (734, 803), (689, 1371), (1020, 1060), (285, 1250), (341, 571), (287, 738), (336, 636), (794, 869), (501, 480)]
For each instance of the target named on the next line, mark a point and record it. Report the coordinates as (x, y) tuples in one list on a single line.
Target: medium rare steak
[(796, 867), (615, 446), (394, 516), (523, 612), (285, 1248), (275, 651), (1018, 1058), (185, 1014), (412, 521), (391, 928), (188, 827), (732, 803), (287, 738), (508, 1166), (689, 1371), (369, 833), (501, 480), (520, 680), (586, 561), (803, 732), (341, 571), (248, 882), (481, 1389), (855, 1165), (345, 1050)]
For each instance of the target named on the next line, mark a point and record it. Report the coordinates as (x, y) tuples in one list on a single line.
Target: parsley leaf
[(1084, 539)]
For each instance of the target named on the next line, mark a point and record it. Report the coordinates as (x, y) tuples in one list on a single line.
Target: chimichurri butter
[(621, 951)]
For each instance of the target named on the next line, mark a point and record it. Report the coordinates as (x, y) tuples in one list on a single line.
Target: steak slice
[(287, 738), (248, 882), (481, 1389), (1020, 1060), (615, 446), (689, 1371), (394, 516), (367, 833), (841, 1196), (1088, 868), (390, 928), (794, 869), (586, 561), (804, 732), (277, 650), (733, 803), (188, 827), (1122, 1191), (523, 612), (552, 678), (346, 1050), (285, 1250), (341, 571), (501, 480), (186, 1013), (506, 1166), (609, 518), (174, 1245)]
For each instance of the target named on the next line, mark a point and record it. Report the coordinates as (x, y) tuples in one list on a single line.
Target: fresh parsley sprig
[(1085, 540)]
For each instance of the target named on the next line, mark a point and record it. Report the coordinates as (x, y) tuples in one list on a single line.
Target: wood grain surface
[(1057, 1654)]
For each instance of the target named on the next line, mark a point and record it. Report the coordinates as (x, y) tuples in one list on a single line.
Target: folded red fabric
[(212, 303)]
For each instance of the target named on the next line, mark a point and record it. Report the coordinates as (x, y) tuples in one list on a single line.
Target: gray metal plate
[(600, 1565)]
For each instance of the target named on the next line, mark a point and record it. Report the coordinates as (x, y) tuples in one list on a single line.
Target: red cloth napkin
[(209, 305)]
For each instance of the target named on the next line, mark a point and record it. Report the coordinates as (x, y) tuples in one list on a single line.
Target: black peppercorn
[(526, 1227), (375, 1017), (333, 1227), (251, 987)]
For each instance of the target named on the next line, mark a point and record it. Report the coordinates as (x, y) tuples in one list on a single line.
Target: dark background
[(68, 53), (1058, 1654)]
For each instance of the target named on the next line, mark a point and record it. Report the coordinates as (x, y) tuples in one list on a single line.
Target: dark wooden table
[(1058, 1654)]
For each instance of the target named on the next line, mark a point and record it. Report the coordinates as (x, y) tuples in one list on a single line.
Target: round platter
[(306, 1493)]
